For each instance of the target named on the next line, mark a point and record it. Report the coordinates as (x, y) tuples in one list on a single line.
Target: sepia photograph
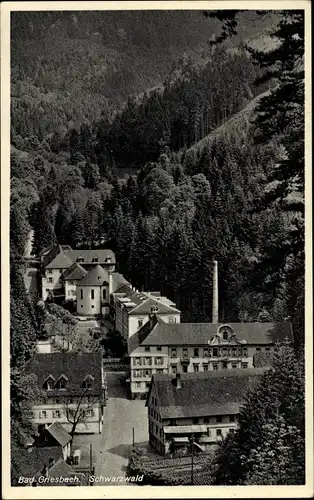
[(158, 325)]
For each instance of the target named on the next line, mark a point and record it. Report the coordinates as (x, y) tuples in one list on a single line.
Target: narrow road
[(121, 416)]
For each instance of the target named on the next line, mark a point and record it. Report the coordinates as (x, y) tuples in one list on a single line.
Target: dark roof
[(61, 469), (97, 276), (138, 337), (30, 463), (201, 333), (59, 433), (203, 393), (75, 272), (89, 255), (75, 365), (118, 280)]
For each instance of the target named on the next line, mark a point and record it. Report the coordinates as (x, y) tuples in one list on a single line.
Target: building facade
[(71, 384), (202, 406), (199, 347)]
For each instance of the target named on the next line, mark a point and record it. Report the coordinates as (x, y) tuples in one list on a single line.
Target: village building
[(54, 435), (198, 408), (161, 348), (59, 276), (132, 309), (70, 382)]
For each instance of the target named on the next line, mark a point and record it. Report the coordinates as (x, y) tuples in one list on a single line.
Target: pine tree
[(277, 404)]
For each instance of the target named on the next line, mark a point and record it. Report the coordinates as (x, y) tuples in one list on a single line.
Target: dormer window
[(108, 259), (225, 335), (88, 382), (95, 259), (62, 382), (49, 383), (80, 259)]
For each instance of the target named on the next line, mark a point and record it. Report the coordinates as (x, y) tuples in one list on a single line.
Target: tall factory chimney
[(215, 293)]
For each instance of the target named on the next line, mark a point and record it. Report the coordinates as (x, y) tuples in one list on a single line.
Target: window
[(42, 414), (137, 373), (139, 323), (49, 271), (196, 352), (196, 368), (50, 280), (218, 432), (231, 418), (234, 351), (95, 259), (225, 351), (158, 348), (244, 352), (73, 293), (215, 351), (88, 382), (185, 369), (215, 367), (160, 370), (245, 365), (173, 352), (147, 349), (234, 366), (185, 353), (170, 320), (147, 385), (258, 349), (81, 293), (49, 384), (219, 419), (62, 383), (173, 422), (206, 420), (47, 290), (148, 361), (173, 369), (80, 259), (56, 414), (89, 413), (225, 335), (92, 294), (92, 307), (82, 306), (225, 364), (267, 349), (205, 352), (138, 384), (158, 361), (147, 373), (209, 433), (104, 294), (195, 421), (205, 368)]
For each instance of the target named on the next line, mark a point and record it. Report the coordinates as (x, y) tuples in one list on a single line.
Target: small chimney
[(178, 381), (215, 293)]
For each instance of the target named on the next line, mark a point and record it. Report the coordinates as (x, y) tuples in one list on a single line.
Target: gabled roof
[(177, 334), (75, 365), (59, 433), (203, 393), (146, 306), (29, 463), (97, 276), (61, 261), (118, 280), (138, 337), (75, 272), (89, 255)]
